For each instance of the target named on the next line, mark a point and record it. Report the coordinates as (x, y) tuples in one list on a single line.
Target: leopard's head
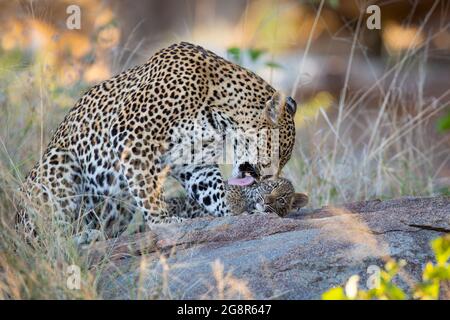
[(276, 147), (274, 140), (278, 196)]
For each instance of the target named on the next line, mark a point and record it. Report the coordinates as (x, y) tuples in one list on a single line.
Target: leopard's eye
[(282, 201)]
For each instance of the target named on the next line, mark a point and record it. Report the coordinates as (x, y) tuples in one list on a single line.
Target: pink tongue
[(241, 181)]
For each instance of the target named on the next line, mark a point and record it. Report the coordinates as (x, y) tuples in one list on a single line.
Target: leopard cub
[(274, 195)]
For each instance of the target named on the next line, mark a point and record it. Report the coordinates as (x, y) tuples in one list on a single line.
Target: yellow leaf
[(334, 294)]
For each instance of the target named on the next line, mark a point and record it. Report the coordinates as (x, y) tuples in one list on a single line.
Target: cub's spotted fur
[(268, 195)]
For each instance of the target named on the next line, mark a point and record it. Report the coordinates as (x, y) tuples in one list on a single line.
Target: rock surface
[(267, 257)]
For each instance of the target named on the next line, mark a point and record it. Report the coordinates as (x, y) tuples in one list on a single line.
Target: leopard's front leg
[(145, 180), (205, 185), (186, 207)]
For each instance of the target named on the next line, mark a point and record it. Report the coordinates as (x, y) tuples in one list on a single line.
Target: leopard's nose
[(247, 168)]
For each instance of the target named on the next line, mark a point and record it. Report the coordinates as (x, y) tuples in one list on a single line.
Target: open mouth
[(247, 175)]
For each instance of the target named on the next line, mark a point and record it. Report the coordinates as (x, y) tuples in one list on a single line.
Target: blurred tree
[(146, 24)]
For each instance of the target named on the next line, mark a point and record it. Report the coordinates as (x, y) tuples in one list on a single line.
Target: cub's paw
[(172, 219), (259, 209)]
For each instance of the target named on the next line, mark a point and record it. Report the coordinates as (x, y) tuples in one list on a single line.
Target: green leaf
[(334, 294), (395, 293), (441, 248), (437, 273), (274, 65), (427, 290), (443, 123), (234, 53), (255, 54), (334, 3), (11, 61), (427, 272)]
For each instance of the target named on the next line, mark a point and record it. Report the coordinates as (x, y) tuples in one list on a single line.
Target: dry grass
[(360, 149), (345, 155), (364, 153)]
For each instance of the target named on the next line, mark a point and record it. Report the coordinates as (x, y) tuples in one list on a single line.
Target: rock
[(266, 257)]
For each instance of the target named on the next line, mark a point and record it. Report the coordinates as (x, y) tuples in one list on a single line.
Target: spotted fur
[(109, 157), (268, 195)]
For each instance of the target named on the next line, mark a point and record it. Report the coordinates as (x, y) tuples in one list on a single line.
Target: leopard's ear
[(299, 200), (275, 108), (291, 106)]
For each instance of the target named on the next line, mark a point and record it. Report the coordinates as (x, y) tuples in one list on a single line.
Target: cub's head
[(270, 144), (278, 196)]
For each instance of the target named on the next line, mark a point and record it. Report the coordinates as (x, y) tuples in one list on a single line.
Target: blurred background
[(374, 105)]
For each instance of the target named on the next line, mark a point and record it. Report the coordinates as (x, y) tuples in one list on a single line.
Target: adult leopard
[(119, 142)]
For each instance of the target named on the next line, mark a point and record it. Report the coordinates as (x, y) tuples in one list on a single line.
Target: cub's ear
[(274, 108), (299, 200)]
